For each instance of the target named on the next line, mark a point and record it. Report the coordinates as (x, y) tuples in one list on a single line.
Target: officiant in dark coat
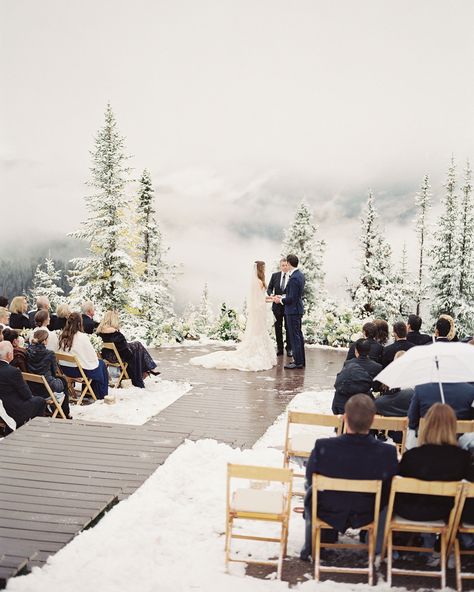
[(277, 287)]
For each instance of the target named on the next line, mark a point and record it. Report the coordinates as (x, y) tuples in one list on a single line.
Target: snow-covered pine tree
[(375, 294), (45, 283), (423, 205), (406, 292), (444, 267), (465, 308), (204, 314), (106, 276), (301, 240), (152, 300)]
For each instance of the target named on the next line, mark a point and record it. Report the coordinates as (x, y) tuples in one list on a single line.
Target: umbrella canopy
[(438, 362)]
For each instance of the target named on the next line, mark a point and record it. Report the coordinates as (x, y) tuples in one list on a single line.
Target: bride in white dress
[(256, 351)]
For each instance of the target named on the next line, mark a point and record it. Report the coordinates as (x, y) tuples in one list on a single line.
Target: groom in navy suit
[(293, 301)]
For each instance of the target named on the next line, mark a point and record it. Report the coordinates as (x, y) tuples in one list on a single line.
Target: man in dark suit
[(413, 331), (15, 394), (354, 455), (293, 301), (376, 349), (442, 329), (88, 323), (400, 343), (458, 395), (277, 286), (42, 303)]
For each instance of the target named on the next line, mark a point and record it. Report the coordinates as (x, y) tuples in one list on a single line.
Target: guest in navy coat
[(354, 455)]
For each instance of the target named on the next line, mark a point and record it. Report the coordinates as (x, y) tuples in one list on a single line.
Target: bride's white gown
[(256, 351)]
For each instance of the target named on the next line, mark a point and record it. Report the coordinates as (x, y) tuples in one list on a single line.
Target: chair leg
[(370, 535), (443, 560), (317, 555), (228, 529), (285, 539), (389, 558), (457, 560)]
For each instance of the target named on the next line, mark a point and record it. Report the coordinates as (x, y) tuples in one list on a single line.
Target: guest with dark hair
[(444, 329), (75, 342), (400, 343), (42, 304), (413, 331), (19, 353), (4, 301), (376, 349), (382, 331), (42, 320), (355, 377), (18, 317)]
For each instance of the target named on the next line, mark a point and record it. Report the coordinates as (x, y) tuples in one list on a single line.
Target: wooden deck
[(58, 477)]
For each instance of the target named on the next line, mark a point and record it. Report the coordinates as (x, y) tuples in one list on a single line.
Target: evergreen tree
[(423, 204), (444, 268), (405, 293), (301, 240), (465, 308), (152, 301), (375, 293), (45, 283), (107, 274), (204, 314)]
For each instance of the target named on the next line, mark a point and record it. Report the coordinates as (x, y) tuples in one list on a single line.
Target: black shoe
[(279, 353), (154, 372), (305, 556), (293, 366)]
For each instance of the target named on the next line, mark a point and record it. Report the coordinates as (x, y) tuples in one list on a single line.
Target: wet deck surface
[(58, 477)]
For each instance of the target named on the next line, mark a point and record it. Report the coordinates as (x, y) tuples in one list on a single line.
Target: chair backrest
[(113, 348), (37, 378), (417, 486), (320, 419), (395, 424), (259, 473), (466, 493), (303, 449), (463, 426)]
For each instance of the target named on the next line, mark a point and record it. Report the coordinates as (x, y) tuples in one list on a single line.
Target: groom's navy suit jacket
[(294, 294)]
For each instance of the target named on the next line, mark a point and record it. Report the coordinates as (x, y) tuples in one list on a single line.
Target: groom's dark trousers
[(274, 287), (294, 310)]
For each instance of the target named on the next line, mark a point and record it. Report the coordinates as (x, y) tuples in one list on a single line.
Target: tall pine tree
[(465, 308), (423, 205), (46, 283), (107, 275), (301, 240), (445, 272)]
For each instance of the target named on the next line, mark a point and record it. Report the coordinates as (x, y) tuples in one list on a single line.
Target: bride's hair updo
[(261, 271)]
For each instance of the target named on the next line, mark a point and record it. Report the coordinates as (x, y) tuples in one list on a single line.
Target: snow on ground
[(168, 535), (133, 405)]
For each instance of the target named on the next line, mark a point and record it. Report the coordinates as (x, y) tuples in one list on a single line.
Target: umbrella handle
[(441, 391)]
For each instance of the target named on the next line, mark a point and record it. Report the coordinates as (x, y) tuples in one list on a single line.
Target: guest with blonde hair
[(62, 313), (4, 317), (139, 361), (18, 315)]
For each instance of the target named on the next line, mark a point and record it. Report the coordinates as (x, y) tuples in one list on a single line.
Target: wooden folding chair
[(118, 364), (302, 444), (463, 426), (321, 483), (252, 503), (461, 527), (71, 381), (392, 424), (442, 528), (40, 379)]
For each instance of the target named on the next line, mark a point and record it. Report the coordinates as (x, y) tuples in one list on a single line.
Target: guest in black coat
[(15, 395), (458, 395), (42, 361), (355, 377), (18, 317), (277, 286), (395, 402), (437, 458), (354, 455), (400, 343), (413, 331), (88, 323), (376, 349), (444, 329)]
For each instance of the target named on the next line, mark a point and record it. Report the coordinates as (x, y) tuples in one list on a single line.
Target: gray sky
[(239, 108)]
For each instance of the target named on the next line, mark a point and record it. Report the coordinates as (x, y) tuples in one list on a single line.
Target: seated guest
[(42, 320), (413, 331), (15, 394), (19, 353), (355, 377), (42, 303), (88, 322), (382, 331), (370, 332), (444, 329), (62, 313), (437, 458), (458, 395), (42, 361), (18, 317), (3, 302), (400, 343), (140, 363), (354, 455), (4, 317), (74, 341), (394, 402)]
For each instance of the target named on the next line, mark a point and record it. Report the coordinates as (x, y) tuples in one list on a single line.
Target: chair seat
[(258, 500), (467, 526), (428, 523), (302, 442)]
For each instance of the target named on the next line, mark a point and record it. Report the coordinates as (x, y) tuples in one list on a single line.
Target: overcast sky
[(239, 108)]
